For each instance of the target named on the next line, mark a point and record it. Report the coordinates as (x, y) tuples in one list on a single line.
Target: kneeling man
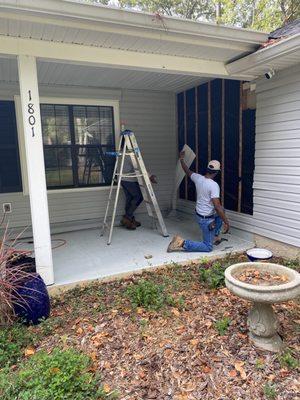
[(208, 203)]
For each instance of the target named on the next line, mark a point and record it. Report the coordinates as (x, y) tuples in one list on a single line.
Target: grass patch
[(287, 360), (259, 364), (222, 325), (269, 391), (13, 341), (56, 376)]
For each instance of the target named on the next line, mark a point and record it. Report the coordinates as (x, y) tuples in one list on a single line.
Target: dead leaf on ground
[(175, 312), (30, 351), (239, 367), (233, 373)]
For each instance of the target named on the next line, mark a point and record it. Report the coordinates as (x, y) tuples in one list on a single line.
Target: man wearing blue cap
[(207, 205)]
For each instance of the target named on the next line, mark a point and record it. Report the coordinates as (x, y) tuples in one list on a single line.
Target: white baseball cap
[(214, 165)]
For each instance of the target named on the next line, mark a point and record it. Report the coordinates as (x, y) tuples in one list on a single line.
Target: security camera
[(270, 74)]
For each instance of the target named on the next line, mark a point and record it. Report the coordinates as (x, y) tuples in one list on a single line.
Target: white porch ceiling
[(59, 74)]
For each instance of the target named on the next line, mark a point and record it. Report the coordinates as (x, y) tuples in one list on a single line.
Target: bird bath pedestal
[(283, 285)]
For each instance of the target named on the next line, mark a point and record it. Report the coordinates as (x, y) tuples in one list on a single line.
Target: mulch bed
[(175, 353)]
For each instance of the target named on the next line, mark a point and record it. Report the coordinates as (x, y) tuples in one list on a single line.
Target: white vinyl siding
[(151, 116), (277, 158)]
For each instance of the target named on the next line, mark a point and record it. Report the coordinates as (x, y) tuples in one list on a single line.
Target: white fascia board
[(114, 58), (246, 65), (164, 25)]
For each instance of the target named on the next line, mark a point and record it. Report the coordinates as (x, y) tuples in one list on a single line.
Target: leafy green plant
[(287, 360), (213, 277), (222, 325), (56, 376), (148, 294), (269, 391), (294, 264), (13, 341)]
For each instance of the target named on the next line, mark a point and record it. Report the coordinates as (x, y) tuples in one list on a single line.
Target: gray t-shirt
[(207, 189), (128, 169)]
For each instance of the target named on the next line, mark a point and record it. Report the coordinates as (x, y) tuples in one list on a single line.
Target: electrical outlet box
[(6, 208)]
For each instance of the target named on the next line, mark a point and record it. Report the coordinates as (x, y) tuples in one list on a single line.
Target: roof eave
[(267, 55), (134, 19)]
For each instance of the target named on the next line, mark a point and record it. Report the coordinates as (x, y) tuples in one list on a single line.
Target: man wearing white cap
[(207, 204)]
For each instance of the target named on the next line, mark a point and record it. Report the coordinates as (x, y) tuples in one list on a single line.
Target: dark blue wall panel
[(216, 121), (191, 136), (181, 139), (231, 155), (202, 99), (231, 112), (248, 161)]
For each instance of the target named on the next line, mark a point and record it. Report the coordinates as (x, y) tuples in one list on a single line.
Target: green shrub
[(222, 325), (294, 264), (149, 295), (269, 391), (13, 341), (213, 277), (61, 375), (287, 360)]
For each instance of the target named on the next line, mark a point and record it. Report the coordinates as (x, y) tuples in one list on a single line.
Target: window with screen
[(10, 172), (76, 140)]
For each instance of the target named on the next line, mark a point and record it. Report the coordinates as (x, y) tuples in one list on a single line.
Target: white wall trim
[(70, 101)]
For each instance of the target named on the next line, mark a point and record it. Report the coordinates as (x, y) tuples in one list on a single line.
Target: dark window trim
[(18, 188), (74, 146)]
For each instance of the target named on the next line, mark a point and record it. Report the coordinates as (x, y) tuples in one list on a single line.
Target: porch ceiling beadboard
[(58, 74)]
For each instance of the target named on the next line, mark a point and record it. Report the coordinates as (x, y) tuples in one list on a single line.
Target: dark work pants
[(133, 195)]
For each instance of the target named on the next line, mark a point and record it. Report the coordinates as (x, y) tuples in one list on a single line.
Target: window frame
[(115, 104)]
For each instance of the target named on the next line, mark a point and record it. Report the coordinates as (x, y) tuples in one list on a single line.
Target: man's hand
[(181, 155), (153, 179), (226, 227)]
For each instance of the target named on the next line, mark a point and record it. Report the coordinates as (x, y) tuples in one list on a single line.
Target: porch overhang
[(70, 31)]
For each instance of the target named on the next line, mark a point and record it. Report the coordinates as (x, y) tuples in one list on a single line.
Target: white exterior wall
[(277, 158), (150, 114)]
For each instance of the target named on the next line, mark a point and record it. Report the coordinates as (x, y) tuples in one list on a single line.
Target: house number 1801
[(30, 110)]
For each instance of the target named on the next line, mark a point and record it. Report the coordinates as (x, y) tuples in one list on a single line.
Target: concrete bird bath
[(283, 284)]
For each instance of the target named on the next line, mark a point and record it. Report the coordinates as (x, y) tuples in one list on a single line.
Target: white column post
[(35, 166)]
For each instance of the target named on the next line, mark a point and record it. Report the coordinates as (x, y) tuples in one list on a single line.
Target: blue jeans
[(133, 197), (208, 237), (219, 223)]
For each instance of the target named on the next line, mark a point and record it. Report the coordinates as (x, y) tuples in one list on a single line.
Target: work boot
[(137, 223), (176, 244), (128, 223)]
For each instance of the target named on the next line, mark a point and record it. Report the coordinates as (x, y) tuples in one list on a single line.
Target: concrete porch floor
[(86, 255)]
